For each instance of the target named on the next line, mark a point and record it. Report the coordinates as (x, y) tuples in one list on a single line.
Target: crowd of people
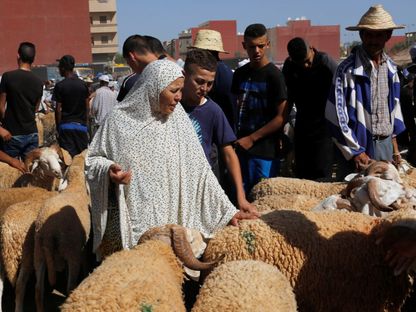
[(187, 145)]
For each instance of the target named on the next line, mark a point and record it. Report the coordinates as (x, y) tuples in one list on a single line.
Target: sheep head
[(186, 243), (383, 170), (48, 161)]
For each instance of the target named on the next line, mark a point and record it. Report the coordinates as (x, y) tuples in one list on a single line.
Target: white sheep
[(288, 186), (45, 166), (62, 230), (330, 259), (245, 286), (146, 278)]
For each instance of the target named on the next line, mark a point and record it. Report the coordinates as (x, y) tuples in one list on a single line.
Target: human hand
[(118, 176), (245, 143), (18, 164), (246, 206), (241, 215), (5, 134), (397, 159), (361, 160)]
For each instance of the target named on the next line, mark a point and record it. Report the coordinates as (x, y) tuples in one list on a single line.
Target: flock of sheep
[(313, 248)]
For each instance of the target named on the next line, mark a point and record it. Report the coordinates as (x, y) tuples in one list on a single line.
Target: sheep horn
[(184, 252), (31, 156), (374, 198), (377, 168), (356, 182)]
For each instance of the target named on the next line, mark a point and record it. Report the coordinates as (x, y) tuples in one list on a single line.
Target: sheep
[(286, 201), (45, 164), (377, 193), (246, 285), (147, 277), (330, 259), (17, 233), (62, 229), (46, 128), (287, 186), (13, 195), (176, 243)]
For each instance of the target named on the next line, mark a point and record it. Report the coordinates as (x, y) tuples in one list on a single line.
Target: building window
[(104, 39), (103, 19), (92, 41)]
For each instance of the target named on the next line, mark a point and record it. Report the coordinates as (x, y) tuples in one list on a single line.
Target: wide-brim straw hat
[(208, 39), (376, 18)]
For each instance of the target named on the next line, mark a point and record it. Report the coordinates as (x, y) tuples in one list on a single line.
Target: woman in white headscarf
[(149, 150)]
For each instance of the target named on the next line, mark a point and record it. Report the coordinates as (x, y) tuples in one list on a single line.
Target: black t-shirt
[(261, 90), (23, 91), (72, 93), (309, 89), (127, 84)]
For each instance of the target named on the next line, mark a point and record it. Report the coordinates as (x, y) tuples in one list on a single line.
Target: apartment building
[(103, 24)]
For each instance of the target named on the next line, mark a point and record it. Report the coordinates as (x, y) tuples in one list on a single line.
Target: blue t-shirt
[(211, 126)]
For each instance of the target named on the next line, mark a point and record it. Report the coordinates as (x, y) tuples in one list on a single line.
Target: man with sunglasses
[(308, 74)]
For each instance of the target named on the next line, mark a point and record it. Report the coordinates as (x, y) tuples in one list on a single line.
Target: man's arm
[(58, 114), (14, 162), (271, 127), (2, 105), (233, 166)]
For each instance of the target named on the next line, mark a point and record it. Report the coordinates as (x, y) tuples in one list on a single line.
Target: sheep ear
[(349, 177), (30, 157), (35, 165), (63, 154)]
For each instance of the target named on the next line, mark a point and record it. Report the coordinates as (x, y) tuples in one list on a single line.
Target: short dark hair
[(255, 31), (135, 43), (297, 49), (155, 45), (201, 58), (66, 62), (27, 52)]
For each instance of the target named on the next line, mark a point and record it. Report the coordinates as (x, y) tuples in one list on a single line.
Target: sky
[(165, 19)]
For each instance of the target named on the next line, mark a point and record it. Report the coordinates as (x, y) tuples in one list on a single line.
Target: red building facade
[(56, 27), (324, 38)]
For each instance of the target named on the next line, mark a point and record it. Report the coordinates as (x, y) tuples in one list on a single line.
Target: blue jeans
[(20, 145), (254, 169)]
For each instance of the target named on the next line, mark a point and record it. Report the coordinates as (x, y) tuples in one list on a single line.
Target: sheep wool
[(330, 259), (246, 286), (282, 186), (146, 278), (286, 202)]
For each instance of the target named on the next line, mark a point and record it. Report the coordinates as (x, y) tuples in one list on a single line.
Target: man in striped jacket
[(363, 107)]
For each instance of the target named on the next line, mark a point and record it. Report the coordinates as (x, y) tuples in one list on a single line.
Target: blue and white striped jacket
[(349, 105)]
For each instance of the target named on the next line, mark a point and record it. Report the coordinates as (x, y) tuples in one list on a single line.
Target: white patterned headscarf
[(172, 181)]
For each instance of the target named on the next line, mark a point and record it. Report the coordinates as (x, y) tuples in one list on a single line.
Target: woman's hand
[(245, 206), (118, 176), (242, 215)]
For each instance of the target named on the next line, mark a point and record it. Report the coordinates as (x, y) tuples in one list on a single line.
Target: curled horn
[(356, 182), (374, 198), (377, 168), (183, 251), (32, 156)]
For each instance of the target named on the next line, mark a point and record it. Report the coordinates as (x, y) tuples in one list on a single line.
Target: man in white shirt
[(102, 104)]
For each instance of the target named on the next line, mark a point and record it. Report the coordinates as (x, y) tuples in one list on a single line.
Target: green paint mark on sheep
[(250, 239), (146, 307)]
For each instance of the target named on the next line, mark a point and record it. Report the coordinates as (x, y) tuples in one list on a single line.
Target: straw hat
[(208, 39), (376, 18)]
